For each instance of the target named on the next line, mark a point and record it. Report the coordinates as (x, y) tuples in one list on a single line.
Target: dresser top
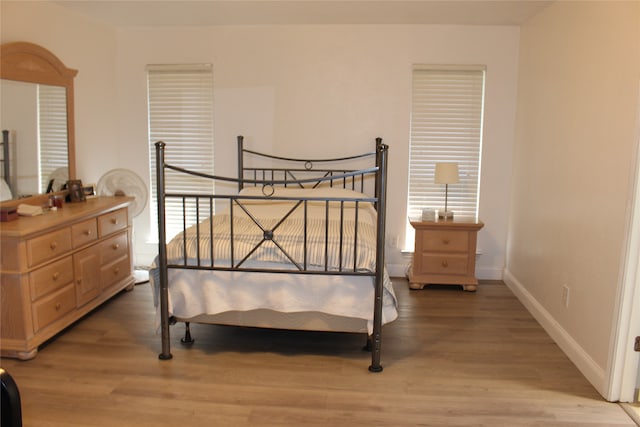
[(69, 213)]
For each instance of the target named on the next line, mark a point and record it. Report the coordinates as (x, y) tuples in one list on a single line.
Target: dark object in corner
[(11, 407)]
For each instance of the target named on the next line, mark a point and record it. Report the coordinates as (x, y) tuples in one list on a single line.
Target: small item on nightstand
[(8, 214), (428, 214)]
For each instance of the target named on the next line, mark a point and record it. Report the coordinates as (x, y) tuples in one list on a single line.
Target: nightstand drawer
[(445, 241), (444, 264)]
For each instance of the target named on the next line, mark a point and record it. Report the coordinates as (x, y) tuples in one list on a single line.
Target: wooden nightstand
[(445, 253)]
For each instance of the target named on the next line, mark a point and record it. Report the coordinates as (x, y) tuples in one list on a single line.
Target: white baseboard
[(592, 372), (397, 270), (633, 411)]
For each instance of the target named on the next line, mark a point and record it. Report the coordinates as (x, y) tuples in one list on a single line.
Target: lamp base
[(445, 214)]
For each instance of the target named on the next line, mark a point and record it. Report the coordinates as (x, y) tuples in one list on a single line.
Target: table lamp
[(446, 173)]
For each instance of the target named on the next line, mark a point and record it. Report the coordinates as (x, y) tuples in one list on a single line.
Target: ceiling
[(121, 13)]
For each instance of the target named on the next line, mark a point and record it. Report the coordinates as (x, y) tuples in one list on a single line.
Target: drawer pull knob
[(446, 241), (53, 246), (87, 232), (55, 276), (116, 271), (114, 221), (58, 305), (115, 246), (445, 264)]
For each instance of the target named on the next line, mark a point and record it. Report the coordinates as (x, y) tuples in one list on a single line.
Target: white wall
[(330, 90), (573, 170)]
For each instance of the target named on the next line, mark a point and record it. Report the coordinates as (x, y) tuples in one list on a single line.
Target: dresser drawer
[(114, 248), (84, 232), (50, 278), (48, 246), (112, 222), (113, 273), (51, 308), (445, 240), (444, 264)]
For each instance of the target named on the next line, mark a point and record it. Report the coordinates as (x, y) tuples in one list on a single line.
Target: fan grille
[(123, 182)]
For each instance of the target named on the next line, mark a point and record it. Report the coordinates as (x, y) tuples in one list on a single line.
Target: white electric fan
[(123, 182), (58, 179)]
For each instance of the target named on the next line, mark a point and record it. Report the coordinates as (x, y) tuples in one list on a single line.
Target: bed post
[(381, 194), (240, 162), (162, 254), (377, 189)]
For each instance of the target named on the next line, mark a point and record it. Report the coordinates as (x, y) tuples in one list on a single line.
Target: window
[(181, 115), (446, 126), (52, 132)]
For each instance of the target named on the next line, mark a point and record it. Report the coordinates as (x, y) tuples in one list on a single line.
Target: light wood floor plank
[(453, 358)]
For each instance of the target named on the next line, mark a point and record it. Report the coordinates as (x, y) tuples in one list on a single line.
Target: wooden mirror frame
[(29, 62)]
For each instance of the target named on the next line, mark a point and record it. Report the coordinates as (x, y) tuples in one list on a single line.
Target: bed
[(299, 245)]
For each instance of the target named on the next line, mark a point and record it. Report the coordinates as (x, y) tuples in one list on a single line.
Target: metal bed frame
[(268, 178)]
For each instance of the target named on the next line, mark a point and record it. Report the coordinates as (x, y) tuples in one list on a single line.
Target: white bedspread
[(197, 292)]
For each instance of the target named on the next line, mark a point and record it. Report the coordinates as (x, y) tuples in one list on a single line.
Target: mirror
[(36, 93)]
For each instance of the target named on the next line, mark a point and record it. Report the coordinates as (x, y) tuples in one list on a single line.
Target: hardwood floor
[(453, 358)]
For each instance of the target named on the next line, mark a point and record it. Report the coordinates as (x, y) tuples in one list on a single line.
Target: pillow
[(268, 208)]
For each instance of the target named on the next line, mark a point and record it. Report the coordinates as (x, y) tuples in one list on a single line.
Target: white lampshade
[(446, 173)]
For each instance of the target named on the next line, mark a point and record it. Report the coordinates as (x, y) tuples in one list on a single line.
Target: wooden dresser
[(445, 253), (57, 267)]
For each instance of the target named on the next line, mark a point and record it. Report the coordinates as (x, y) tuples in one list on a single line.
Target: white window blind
[(181, 115), (446, 126), (52, 131)]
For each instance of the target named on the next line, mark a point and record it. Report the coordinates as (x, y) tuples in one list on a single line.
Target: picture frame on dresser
[(76, 191)]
